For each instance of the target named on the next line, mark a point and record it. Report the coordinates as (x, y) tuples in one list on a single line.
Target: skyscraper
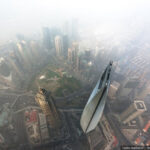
[(75, 51), (65, 45), (47, 105), (46, 38), (134, 110), (78, 62), (73, 56), (70, 55), (96, 102), (128, 87), (58, 46)]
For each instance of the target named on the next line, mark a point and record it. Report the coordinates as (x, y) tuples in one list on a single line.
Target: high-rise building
[(75, 47), (93, 110), (25, 53), (48, 107), (134, 110), (114, 86), (128, 86), (70, 55), (47, 38), (78, 62), (73, 56), (75, 51), (58, 45), (65, 45)]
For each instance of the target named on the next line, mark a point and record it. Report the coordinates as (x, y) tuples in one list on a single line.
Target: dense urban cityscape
[(46, 80), (60, 64)]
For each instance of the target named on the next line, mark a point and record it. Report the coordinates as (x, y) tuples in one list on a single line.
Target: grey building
[(134, 110)]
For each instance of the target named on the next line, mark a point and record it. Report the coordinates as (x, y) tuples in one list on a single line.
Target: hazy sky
[(28, 16)]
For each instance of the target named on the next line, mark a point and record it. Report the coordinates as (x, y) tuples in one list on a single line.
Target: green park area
[(51, 74), (58, 82), (69, 84)]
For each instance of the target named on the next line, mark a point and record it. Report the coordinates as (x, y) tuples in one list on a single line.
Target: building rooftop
[(140, 105)]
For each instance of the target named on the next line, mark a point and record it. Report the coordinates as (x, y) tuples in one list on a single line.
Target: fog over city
[(120, 18), (74, 75)]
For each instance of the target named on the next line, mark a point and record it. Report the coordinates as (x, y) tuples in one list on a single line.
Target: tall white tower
[(58, 45)]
